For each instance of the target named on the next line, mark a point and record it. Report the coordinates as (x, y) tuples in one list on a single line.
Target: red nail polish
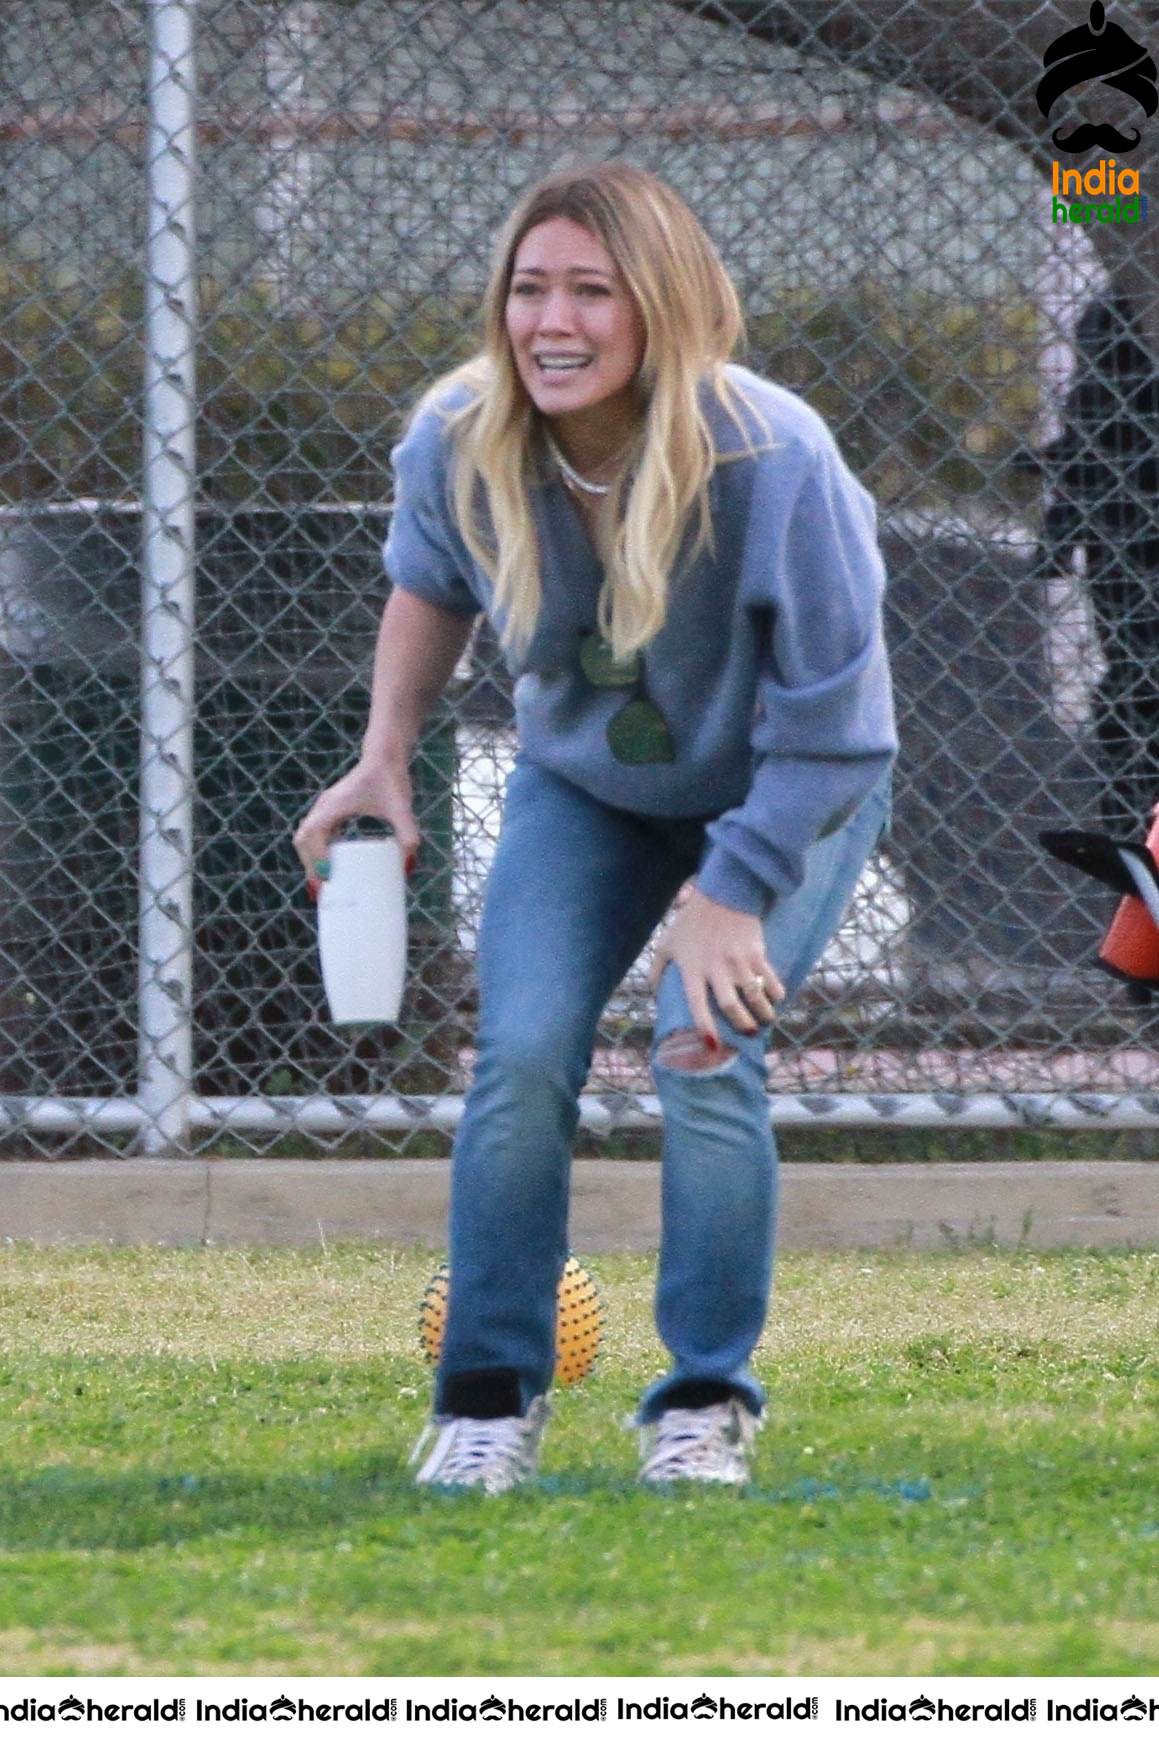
[(412, 857), (712, 1042), (313, 887)]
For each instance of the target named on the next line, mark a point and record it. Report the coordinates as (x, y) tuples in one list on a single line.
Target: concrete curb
[(615, 1203)]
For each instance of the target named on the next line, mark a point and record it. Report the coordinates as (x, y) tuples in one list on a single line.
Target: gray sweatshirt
[(770, 671)]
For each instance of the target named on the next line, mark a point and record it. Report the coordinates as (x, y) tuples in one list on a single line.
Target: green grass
[(203, 1470)]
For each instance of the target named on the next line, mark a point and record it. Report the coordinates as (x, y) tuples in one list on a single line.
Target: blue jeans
[(574, 893)]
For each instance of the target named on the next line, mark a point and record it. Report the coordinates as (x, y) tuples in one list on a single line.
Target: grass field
[(203, 1461)]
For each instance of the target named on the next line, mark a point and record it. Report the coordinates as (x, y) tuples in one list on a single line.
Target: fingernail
[(412, 858), (322, 865), (313, 887), (712, 1041)]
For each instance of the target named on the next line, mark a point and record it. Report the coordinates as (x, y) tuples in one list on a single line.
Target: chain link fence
[(238, 237)]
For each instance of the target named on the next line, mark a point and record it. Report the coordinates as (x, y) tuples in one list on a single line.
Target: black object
[(1129, 950), (1124, 867), (491, 1394), (983, 763), (1102, 477)]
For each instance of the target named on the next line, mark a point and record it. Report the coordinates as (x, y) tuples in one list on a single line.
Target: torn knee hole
[(687, 1050)]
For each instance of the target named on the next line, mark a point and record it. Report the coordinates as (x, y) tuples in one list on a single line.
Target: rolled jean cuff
[(653, 1402)]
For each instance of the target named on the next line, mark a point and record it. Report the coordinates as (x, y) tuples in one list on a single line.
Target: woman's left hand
[(723, 951)]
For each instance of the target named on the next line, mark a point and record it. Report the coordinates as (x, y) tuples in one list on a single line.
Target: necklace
[(573, 476)]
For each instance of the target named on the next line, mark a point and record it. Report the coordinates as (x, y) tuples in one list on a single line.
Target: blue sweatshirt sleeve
[(424, 553), (823, 733)]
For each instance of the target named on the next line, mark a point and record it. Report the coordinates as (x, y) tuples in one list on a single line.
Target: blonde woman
[(685, 577)]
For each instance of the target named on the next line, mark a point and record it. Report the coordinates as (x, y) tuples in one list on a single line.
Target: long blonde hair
[(692, 323)]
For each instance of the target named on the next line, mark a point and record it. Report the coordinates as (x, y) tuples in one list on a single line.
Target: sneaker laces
[(478, 1451), (698, 1442)]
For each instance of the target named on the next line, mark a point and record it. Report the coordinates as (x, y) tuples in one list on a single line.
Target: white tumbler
[(362, 931)]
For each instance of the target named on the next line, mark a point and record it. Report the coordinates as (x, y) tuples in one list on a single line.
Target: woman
[(685, 576)]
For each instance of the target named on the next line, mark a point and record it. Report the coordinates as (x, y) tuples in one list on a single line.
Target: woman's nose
[(555, 313)]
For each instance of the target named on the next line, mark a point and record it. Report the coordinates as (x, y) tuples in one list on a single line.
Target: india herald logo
[(1102, 51)]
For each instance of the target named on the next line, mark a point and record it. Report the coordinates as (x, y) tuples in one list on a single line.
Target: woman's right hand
[(371, 788)]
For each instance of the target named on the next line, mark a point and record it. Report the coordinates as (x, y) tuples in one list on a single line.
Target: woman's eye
[(528, 289)]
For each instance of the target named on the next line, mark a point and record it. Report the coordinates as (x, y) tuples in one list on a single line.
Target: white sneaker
[(707, 1444), (495, 1454)]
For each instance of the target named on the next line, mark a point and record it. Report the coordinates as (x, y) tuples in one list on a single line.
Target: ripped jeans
[(574, 893)]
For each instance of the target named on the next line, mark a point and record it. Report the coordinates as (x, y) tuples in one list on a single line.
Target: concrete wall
[(615, 1203)]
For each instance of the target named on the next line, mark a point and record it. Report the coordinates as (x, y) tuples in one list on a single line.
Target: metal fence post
[(167, 593)]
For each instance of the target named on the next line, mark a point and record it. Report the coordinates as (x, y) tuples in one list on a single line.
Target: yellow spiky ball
[(579, 1322)]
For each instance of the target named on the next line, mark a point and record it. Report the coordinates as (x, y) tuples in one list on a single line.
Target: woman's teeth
[(562, 365)]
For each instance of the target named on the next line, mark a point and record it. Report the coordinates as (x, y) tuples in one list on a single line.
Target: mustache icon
[(1087, 134), (1098, 50)]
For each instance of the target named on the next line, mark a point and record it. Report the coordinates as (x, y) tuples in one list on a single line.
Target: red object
[(1131, 946)]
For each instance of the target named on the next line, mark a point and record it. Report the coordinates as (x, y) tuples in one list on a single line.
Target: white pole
[(605, 1115), (165, 978)]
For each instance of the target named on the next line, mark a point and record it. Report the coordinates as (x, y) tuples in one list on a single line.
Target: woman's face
[(575, 330)]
